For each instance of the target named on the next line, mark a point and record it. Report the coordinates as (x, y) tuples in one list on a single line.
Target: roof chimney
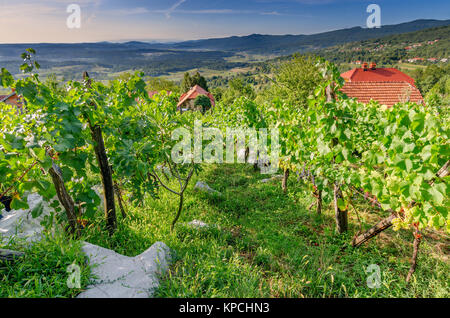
[(373, 66), (364, 66)]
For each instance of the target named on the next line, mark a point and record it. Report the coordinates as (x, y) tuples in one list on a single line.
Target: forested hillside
[(425, 44), (286, 44)]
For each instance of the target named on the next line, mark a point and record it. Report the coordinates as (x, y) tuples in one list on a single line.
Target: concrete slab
[(20, 223), (120, 276)]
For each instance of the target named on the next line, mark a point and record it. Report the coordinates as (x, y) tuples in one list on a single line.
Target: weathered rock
[(203, 186), (120, 276), (20, 223), (196, 224)]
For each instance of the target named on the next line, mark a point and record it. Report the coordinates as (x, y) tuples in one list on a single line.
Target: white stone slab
[(20, 223), (120, 276), (197, 224), (203, 186)]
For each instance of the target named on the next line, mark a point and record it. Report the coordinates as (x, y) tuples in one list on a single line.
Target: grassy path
[(262, 244), (266, 244)]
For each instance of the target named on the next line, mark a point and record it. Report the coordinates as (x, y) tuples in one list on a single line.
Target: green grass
[(262, 244), (42, 272), (266, 244)]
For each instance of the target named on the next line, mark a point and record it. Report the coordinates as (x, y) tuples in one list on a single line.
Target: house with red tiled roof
[(187, 99), (388, 86), (11, 99)]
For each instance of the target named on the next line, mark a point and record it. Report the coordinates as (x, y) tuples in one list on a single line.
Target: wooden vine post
[(120, 200), (65, 198), (105, 169), (416, 244), (285, 180), (340, 215), (319, 201), (318, 195)]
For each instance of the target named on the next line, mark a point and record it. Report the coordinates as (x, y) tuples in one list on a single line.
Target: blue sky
[(34, 21)]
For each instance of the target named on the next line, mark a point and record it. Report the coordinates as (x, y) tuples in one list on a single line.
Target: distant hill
[(105, 59), (286, 44), (431, 43)]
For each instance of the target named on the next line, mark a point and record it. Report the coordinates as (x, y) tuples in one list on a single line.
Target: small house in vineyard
[(388, 86), (11, 99), (187, 100)]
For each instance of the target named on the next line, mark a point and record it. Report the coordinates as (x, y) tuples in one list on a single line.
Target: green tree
[(438, 97), (237, 88), (161, 84), (295, 80), (427, 79), (190, 81), (204, 102)]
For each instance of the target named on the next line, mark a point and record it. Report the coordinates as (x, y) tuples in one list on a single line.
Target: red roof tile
[(193, 93), (4, 98), (387, 93), (377, 75)]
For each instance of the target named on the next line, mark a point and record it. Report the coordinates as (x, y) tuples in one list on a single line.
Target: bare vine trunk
[(105, 170), (106, 174), (319, 202), (340, 215), (177, 216), (65, 199), (180, 194), (119, 199), (416, 245), (285, 180), (255, 164)]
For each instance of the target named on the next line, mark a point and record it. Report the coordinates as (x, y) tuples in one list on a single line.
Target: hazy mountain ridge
[(106, 58), (285, 44)]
